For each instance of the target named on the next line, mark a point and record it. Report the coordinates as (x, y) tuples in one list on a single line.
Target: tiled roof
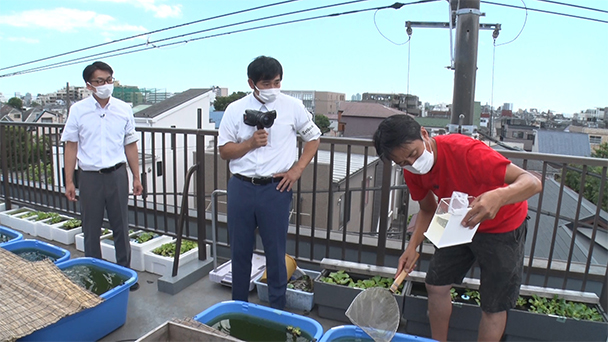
[(172, 102), (367, 110), (566, 143)]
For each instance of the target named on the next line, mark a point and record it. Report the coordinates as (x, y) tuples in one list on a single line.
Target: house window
[(344, 204), (530, 136), (159, 168), (518, 135), (594, 139), (47, 120), (17, 116)]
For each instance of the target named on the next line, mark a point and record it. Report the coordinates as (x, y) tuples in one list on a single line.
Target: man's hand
[(484, 207), (289, 178), (407, 260), (70, 192), (259, 139), (137, 188)]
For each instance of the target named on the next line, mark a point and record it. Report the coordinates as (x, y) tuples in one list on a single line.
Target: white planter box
[(10, 219), (64, 236), (138, 250), (44, 229), (2, 206), (108, 252), (295, 299), (79, 239), (164, 265)]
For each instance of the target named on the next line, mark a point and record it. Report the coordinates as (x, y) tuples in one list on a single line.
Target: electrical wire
[(152, 43), (520, 31), (148, 33), (147, 47), (575, 6), (548, 12), (385, 37)]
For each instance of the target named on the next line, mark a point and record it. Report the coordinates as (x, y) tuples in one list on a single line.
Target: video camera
[(259, 119)]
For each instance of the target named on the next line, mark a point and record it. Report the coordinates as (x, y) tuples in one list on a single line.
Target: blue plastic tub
[(58, 253), (94, 323), (343, 332), (310, 326), (13, 235)]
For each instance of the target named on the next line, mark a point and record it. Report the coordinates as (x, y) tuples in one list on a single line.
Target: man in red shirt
[(439, 166)]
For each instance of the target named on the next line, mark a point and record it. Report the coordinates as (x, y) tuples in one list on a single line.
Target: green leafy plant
[(342, 278), (473, 295), (561, 307), (144, 237), (41, 215), (453, 294), (30, 214), (71, 224), (168, 249), (294, 331), (521, 302)]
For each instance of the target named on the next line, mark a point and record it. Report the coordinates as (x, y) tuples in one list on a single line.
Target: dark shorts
[(500, 257)]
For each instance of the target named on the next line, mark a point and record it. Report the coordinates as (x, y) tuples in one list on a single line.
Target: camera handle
[(260, 126)]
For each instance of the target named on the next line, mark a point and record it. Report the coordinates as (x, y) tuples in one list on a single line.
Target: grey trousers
[(109, 191)]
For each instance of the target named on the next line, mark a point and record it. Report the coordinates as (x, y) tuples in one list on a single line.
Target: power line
[(151, 45), (102, 55), (575, 6), (548, 12), (148, 33), (520, 31)]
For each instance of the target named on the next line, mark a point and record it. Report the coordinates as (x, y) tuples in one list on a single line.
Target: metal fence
[(348, 204)]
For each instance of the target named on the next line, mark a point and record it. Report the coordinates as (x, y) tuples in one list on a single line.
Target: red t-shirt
[(468, 165)]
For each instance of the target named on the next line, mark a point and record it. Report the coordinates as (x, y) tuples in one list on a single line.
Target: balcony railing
[(348, 205)]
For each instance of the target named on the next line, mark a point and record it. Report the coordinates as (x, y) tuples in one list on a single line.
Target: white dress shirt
[(101, 133), (281, 152)]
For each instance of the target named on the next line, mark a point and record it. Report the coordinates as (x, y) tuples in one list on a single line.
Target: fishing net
[(376, 311)]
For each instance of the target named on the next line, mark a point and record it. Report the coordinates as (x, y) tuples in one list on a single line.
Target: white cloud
[(24, 40), (160, 10), (59, 19)]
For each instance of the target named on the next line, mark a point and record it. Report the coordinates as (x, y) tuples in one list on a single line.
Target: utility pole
[(465, 65), (465, 14), (67, 99)]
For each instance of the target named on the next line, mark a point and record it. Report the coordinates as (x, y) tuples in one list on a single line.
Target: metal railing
[(347, 205)]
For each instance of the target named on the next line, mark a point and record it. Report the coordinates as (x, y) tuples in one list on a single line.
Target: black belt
[(260, 180), (111, 168)]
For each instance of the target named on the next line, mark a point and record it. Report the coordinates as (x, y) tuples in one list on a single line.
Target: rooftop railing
[(348, 204)]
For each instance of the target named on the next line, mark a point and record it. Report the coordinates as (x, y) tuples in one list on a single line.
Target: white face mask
[(423, 164), (104, 91), (268, 95)]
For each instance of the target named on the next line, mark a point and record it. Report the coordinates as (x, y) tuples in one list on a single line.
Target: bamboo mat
[(34, 295)]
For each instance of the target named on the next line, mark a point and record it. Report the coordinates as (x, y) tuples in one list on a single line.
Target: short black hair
[(395, 131), (264, 68), (90, 69)]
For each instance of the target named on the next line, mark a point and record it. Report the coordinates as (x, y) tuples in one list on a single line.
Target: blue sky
[(556, 63)]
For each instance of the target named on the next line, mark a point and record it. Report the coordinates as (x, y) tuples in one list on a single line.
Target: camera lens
[(266, 120)]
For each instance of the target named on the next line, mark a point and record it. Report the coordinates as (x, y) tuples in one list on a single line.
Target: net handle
[(402, 276)]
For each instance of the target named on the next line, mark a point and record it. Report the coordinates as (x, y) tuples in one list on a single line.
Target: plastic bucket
[(290, 264)]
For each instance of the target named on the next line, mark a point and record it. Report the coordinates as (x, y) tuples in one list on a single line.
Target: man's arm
[(295, 172), (428, 205), (522, 185), (234, 150), (133, 160), (70, 150)]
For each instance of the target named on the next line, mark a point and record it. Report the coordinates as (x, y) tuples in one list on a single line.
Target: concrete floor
[(148, 308)]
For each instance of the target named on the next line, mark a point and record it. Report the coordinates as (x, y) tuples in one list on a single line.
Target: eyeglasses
[(101, 81)]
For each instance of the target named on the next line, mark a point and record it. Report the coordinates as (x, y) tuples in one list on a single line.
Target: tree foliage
[(26, 152), (591, 188), (323, 122), (221, 102), (15, 102)]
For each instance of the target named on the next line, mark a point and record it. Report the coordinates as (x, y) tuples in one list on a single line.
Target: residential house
[(404, 102), (597, 136), (9, 113), (187, 110), (360, 119), (515, 130)]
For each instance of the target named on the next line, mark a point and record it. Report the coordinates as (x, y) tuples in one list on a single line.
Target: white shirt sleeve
[(70, 130), (227, 131), (305, 125), (130, 133)]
